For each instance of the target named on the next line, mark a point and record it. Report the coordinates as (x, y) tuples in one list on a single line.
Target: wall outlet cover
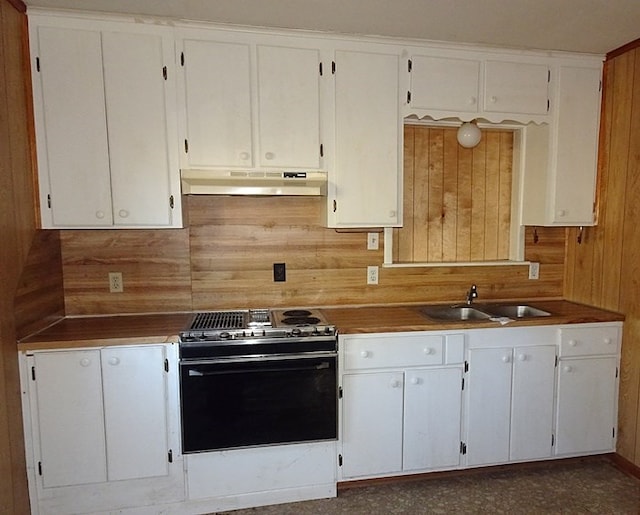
[(279, 272)]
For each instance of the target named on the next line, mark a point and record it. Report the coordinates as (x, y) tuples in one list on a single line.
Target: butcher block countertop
[(161, 328)]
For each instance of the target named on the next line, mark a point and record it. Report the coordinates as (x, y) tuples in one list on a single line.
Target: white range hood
[(242, 182)]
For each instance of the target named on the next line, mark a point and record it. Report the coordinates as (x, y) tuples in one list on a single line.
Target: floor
[(571, 487)]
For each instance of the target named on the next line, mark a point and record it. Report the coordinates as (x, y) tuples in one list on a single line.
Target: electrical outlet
[(372, 275), (373, 241), (279, 272), (534, 270), (115, 282)]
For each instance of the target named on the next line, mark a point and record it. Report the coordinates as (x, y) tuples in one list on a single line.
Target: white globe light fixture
[(469, 135)]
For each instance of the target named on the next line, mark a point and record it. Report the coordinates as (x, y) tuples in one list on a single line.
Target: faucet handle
[(472, 294)]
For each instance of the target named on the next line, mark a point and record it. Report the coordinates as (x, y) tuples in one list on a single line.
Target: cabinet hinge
[(37, 64), (548, 75), (320, 69), (166, 365), (186, 146), (463, 384), (556, 364), (408, 97), (170, 456), (39, 468), (339, 392), (171, 202), (321, 150), (600, 86), (616, 372), (553, 439), (613, 432), (466, 366), (335, 205), (33, 373), (339, 460), (164, 72), (548, 105), (409, 65), (463, 448), (49, 201), (181, 58), (333, 67)]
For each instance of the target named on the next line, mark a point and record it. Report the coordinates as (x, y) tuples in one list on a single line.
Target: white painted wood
[(532, 402), (217, 86), (68, 389), (591, 341), (488, 410), (392, 350), (368, 141), (586, 407), (71, 128), (432, 409), (515, 87), (137, 127), (135, 411), (443, 83), (289, 106), (372, 423)]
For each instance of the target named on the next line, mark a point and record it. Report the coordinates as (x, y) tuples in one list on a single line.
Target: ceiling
[(591, 26)]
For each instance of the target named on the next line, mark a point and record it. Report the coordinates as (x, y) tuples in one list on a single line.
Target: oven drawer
[(363, 351)]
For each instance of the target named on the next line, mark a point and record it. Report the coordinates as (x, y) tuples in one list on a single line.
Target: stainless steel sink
[(454, 313), (514, 311)]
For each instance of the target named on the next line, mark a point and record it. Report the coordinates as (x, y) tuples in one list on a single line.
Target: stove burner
[(296, 313), (300, 320)]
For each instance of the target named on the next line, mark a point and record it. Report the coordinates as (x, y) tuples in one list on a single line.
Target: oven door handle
[(200, 373), (259, 358)]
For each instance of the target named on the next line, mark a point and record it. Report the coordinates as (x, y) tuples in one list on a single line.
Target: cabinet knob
[(429, 350), (244, 156), (506, 359), (123, 213), (568, 368), (269, 155), (493, 99), (522, 357), (572, 343), (100, 215), (396, 384), (114, 361), (415, 380), (608, 341), (561, 213), (392, 213), (85, 362), (472, 101), (364, 353)]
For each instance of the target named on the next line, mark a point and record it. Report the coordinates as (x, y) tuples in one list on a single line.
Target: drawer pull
[(415, 380), (572, 343), (429, 350), (365, 354), (608, 341), (568, 368)]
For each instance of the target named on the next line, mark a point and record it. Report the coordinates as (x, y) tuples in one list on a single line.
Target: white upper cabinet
[(516, 87), (250, 101), (366, 188), (560, 159), (106, 129)]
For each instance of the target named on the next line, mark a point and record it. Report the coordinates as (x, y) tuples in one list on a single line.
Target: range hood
[(243, 182)]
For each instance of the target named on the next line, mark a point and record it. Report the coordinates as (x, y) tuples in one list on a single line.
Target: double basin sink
[(479, 312)]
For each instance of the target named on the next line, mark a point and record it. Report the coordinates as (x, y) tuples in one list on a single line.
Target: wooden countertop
[(161, 328)]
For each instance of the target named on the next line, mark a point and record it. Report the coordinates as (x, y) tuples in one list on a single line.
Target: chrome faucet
[(472, 294)]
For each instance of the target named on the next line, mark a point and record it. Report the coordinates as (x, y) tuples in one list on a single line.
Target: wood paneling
[(17, 225), (457, 201), (603, 269)]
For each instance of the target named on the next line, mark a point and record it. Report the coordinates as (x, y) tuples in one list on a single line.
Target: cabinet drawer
[(392, 351), (588, 341)]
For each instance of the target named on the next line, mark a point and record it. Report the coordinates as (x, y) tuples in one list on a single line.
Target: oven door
[(246, 402)]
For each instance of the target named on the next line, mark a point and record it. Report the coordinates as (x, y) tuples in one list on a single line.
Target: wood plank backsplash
[(225, 260)]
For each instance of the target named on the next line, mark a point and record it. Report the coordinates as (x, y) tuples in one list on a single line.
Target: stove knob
[(327, 330), (202, 336), (225, 335), (296, 332), (315, 331)]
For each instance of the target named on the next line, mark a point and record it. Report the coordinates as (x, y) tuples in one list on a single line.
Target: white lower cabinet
[(401, 403), (100, 428)]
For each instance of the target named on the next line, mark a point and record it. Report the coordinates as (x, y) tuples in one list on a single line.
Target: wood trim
[(18, 5), (625, 465), (632, 45)]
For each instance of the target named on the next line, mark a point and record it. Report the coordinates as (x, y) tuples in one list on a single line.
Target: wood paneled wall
[(18, 226), (457, 201), (604, 270), (225, 260)]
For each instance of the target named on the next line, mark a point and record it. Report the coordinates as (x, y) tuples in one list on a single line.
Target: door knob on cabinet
[(493, 99), (123, 213), (506, 359), (114, 361), (269, 155), (568, 368), (415, 380), (522, 357), (395, 383), (244, 155), (364, 353), (608, 341), (100, 215), (85, 362)]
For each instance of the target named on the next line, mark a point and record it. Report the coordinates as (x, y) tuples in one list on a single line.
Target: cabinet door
[(137, 127), (445, 84), (586, 405), (532, 402), (488, 406), (73, 153), (135, 411), (217, 79), (577, 122), (368, 139), (432, 418), (68, 389), (372, 423), (289, 107), (512, 87)]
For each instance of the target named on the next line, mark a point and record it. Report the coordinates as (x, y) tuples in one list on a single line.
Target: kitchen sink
[(515, 311), (481, 312), (454, 313)]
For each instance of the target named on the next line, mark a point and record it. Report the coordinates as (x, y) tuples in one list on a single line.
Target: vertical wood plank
[(492, 197), (465, 186), (478, 181), (504, 194), (421, 194), (449, 196), (436, 195)]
